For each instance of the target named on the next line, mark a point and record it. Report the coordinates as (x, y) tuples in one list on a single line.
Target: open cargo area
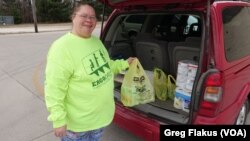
[(159, 40)]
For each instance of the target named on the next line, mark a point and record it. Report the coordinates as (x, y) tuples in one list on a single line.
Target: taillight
[(212, 95)]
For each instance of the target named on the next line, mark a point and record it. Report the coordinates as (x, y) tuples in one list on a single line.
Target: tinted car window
[(236, 26), (139, 19)]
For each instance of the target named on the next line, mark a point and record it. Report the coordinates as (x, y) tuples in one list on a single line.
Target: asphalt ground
[(23, 116)]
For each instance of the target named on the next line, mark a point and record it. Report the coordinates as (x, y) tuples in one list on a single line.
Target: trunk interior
[(158, 40)]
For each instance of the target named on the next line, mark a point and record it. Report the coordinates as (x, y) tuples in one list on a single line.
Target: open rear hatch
[(122, 45)]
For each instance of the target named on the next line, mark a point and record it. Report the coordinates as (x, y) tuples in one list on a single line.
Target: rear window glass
[(236, 26), (139, 19)]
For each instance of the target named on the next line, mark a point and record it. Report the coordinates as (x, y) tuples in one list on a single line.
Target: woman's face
[(84, 21)]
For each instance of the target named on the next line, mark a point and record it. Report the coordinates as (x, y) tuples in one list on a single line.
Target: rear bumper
[(137, 124)]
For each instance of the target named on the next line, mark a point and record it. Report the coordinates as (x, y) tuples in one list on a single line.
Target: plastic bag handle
[(138, 65), (171, 77), (158, 73)]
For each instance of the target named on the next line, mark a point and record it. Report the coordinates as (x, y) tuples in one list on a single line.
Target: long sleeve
[(118, 65), (58, 72)]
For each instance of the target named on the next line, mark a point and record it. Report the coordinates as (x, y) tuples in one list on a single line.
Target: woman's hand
[(131, 59), (60, 131)]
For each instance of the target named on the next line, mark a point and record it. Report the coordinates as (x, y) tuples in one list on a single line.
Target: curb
[(24, 32), (29, 28)]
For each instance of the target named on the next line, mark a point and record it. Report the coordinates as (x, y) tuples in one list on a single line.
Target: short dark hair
[(78, 5)]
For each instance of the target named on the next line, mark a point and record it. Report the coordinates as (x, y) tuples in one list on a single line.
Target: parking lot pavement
[(22, 108)]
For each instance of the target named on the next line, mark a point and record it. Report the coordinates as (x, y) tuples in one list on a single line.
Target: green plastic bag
[(160, 84), (136, 87), (171, 85)]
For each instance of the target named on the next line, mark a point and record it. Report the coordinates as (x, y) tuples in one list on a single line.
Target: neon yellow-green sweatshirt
[(79, 83)]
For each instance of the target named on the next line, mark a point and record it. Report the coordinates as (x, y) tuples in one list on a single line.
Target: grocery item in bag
[(160, 84), (171, 85), (136, 87)]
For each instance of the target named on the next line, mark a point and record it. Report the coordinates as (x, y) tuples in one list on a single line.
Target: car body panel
[(139, 125), (234, 71), (236, 86)]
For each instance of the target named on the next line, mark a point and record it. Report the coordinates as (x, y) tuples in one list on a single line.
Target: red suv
[(213, 34)]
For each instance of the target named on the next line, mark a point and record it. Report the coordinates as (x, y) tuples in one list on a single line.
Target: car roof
[(121, 4)]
